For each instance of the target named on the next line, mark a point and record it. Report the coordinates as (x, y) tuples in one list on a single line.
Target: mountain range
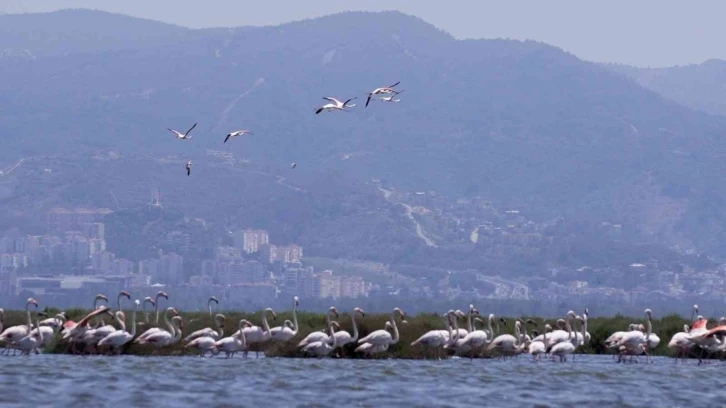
[(89, 95)]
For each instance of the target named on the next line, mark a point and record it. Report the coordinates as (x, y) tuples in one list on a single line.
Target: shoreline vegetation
[(598, 327)]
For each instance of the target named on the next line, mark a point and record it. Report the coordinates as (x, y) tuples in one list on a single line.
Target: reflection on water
[(99, 381)]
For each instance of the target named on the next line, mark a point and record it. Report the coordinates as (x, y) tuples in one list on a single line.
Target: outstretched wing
[(190, 129), (368, 101), (227, 138), (395, 84), (175, 132)]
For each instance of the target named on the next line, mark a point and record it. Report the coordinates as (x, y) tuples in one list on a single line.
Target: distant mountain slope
[(68, 32), (699, 86), (521, 123)]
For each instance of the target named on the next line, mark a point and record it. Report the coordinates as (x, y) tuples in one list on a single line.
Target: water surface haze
[(99, 381)]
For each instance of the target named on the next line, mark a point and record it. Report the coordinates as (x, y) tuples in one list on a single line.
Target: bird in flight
[(180, 135), (336, 105), (390, 98), (237, 133), (189, 168), (384, 90), (293, 165)]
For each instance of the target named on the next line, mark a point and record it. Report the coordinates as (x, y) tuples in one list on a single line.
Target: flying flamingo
[(180, 135), (382, 90), (335, 105), (15, 333), (229, 345), (382, 337), (319, 335), (237, 133), (284, 333), (120, 337)]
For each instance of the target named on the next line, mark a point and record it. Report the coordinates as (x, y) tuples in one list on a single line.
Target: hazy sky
[(636, 32)]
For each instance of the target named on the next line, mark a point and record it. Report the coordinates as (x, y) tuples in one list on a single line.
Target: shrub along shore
[(600, 328)]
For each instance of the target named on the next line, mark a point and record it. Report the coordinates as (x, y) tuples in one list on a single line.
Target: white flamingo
[(382, 90), (319, 335), (49, 330), (322, 348), (237, 133), (152, 330), (436, 339), (563, 348), (537, 348), (382, 337), (216, 334), (32, 341), (165, 338), (632, 339), (70, 324), (476, 339), (342, 337), (257, 334), (507, 344), (14, 333), (335, 105), (180, 135), (118, 338), (169, 310), (284, 333), (230, 345), (368, 349)]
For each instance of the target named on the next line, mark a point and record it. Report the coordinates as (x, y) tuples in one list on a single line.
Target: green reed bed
[(600, 328)]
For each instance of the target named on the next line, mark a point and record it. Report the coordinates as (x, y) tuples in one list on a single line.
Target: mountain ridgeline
[(523, 124)]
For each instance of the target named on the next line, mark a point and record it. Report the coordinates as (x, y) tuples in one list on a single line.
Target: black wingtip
[(318, 111)]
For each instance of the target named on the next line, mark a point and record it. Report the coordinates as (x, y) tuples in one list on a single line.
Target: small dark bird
[(189, 168), (293, 165)]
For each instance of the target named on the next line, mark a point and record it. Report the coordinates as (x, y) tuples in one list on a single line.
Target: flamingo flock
[(558, 341)]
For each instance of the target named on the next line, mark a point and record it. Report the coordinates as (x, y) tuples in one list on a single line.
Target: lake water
[(98, 381)]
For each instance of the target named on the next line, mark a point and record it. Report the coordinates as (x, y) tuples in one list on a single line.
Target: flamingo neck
[(355, 327), (40, 332), (395, 328), (168, 323), (156, 309), (133, 322), (27, 312), (468, 321), (294, 318), (491, 329), (265, 324), (332, 336), (120, 322)]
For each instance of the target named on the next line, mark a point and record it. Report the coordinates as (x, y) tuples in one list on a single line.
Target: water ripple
[(51, 380)]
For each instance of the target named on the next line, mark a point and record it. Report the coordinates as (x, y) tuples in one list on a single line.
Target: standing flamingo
[(162, 337), (169, 310), (216, 334), (257, 334), (322, 348), (15, 333), (506, 344), (147, 299), (342, 337), (537, 348), (32, 341), (319, 335), (284, 333), (229, 345), (382, 337), (563, 348), (156, 310), (120, 337), (436, 338)]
